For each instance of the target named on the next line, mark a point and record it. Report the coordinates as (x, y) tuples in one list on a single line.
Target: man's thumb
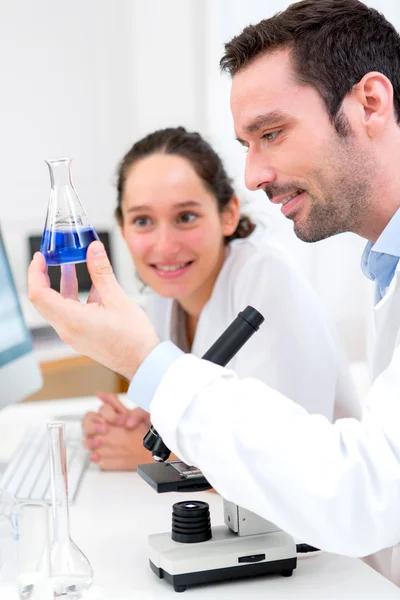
[(101, 273)]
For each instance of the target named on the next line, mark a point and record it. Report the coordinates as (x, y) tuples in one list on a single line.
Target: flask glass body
[(70, 571), (68, 230)]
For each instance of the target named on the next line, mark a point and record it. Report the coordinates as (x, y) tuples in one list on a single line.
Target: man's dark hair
[(333, 44)]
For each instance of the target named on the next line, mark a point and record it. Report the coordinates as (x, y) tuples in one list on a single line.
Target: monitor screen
[(15, 339), (19, 370), (84, 281)]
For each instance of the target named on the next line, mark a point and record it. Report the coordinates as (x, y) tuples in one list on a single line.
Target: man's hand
[(109, 327)]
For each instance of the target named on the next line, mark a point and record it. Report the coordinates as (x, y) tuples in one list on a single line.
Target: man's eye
[(270, 137), (187, 217), (141, 221)]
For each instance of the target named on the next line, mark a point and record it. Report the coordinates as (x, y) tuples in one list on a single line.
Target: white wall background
[(88, 78), (67, 88)]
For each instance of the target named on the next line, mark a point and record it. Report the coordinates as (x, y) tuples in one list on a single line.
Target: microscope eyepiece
[(221, 352), (252, 316)]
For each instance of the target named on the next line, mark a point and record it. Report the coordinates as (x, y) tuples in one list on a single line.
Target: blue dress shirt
[(379, 260), (378, 263), (148, 376)]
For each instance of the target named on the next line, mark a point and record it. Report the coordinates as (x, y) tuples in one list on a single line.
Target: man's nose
[(258, 172)]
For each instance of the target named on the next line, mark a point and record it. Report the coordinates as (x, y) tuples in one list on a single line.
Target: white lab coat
[(385, 336), (336, 486), (296, 349)]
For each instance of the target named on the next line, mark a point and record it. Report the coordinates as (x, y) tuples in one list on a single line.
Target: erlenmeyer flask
[(68, 230), (70, 571)]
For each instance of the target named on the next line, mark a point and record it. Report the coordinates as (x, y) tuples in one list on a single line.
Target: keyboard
[(27, 475)]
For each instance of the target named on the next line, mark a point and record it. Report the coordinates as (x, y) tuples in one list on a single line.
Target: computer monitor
[(20, 375)]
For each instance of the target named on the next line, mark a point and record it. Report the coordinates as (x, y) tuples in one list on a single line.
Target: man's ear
[(230, 216), (374, 93)]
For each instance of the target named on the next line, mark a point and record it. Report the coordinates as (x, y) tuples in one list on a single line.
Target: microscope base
[(224, 557)]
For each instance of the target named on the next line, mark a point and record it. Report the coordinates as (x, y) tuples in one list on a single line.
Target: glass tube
[(70, 571)]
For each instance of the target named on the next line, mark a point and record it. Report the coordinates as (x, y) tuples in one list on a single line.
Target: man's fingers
[(69, 282), (47, 301), (102, 274), (38, 269), (93, 296)]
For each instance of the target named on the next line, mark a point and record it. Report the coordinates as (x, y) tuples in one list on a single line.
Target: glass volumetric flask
[(70, 571), (68, 230)]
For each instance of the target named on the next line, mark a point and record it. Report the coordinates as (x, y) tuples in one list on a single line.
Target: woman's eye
[(141, 221), (187, 217)]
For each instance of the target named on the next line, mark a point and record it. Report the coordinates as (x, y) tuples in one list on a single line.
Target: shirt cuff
[(150, 373)]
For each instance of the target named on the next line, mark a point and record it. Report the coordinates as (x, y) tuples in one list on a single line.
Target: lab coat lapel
[(385, 337), (386, 327)]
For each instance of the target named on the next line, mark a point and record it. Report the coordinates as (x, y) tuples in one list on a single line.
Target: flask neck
[(59, 482), (60, 171)]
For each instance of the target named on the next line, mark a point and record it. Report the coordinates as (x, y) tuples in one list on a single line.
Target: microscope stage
[(225, 556)]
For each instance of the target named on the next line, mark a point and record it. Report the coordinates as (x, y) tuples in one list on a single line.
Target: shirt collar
[(389, 240), (379, 260)]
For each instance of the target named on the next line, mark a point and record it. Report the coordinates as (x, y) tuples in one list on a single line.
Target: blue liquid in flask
[(69, 246)]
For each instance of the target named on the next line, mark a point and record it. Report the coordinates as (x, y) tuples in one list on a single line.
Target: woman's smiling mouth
[(171, 270)]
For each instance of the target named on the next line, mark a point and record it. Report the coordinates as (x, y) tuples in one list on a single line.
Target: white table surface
[(115, 512)]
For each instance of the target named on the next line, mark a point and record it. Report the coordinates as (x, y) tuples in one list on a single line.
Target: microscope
[(193, 552)]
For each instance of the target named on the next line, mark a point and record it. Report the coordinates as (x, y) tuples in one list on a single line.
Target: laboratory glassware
[(68, 230), (8, 506), (32, 550), (70, 571)]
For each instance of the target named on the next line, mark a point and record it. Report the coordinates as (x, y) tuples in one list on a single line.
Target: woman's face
[(172, 226)]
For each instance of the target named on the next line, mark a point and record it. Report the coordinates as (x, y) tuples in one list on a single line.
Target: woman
[(181, 220)]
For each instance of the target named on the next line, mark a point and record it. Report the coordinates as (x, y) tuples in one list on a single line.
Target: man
[(316, 101)]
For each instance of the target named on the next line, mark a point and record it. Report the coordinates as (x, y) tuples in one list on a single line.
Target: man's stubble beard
[(347, 196)]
